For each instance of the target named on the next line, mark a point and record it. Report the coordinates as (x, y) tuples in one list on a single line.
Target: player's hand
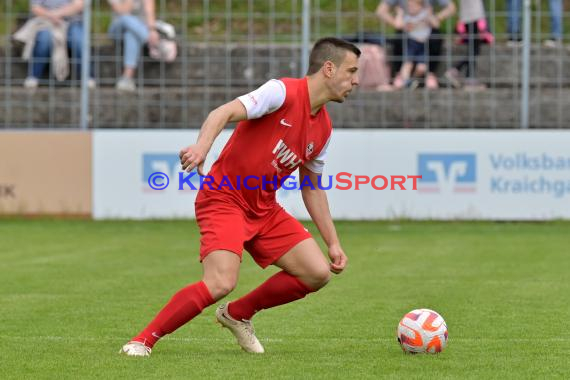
[(338, 258), (193, 157)]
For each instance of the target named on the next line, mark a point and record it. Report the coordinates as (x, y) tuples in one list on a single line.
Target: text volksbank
[(525, 173)]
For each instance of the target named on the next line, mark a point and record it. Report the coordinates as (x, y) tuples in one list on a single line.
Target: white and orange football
[(422, 331)]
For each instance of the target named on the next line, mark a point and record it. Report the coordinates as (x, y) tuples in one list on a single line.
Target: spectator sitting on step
[(56, 27), (135, 24)]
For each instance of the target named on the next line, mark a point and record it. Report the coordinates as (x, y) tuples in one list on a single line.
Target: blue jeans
[(514, 9), (134, 34), (43, 45)]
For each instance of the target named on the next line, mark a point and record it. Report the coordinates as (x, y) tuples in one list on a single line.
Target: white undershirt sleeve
[(317, 164), (265, 99)]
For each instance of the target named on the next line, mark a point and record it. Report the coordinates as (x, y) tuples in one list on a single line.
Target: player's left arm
[(317, 205)]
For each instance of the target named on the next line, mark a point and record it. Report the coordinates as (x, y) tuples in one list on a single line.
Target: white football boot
[(242, 330), (135, 349)]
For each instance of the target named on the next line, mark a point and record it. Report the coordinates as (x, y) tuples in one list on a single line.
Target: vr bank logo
[(447, 173), (167, 164)]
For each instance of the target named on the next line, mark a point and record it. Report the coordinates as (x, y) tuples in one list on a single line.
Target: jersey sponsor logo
[(285, 123), (285, 156)]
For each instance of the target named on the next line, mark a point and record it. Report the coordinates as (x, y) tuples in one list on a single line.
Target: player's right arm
[(195, 155), (262, 101)]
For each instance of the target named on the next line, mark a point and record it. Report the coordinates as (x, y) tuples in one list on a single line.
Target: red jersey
[(261, 152)]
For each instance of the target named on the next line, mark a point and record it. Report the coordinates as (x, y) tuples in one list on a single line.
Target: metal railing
[(226, 48)]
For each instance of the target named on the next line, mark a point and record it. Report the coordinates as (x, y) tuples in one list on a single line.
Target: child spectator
[(473, 30), (444, 8), (416, 25)]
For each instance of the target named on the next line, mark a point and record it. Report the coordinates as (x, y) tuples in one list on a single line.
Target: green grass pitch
[(72, 292)]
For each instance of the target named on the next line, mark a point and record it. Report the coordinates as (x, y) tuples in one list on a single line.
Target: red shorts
[(224, 226)]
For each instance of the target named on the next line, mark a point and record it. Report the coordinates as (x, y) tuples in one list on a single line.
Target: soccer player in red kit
[(283, 125)]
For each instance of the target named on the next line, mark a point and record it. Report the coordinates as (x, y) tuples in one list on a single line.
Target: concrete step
[(187, 107), (238, 65)]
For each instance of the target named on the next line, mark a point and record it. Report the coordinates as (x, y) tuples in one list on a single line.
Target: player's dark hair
[(329, 49)]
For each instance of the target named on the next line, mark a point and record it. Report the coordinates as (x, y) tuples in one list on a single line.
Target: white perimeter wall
[(497, 175)]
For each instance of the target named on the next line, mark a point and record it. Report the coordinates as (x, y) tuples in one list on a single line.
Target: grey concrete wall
[(180, 94), (187, 108), (234, 65)]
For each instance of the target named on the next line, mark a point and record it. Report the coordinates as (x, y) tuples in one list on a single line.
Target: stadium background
[(502, 287), (228, 48)]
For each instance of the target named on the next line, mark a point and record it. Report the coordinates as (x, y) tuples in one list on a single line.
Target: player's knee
[(319, 277), (221, 286), (225, 287)]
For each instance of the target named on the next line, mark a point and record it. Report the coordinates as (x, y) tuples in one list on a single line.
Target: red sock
[(184, 305), (278, 290)]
